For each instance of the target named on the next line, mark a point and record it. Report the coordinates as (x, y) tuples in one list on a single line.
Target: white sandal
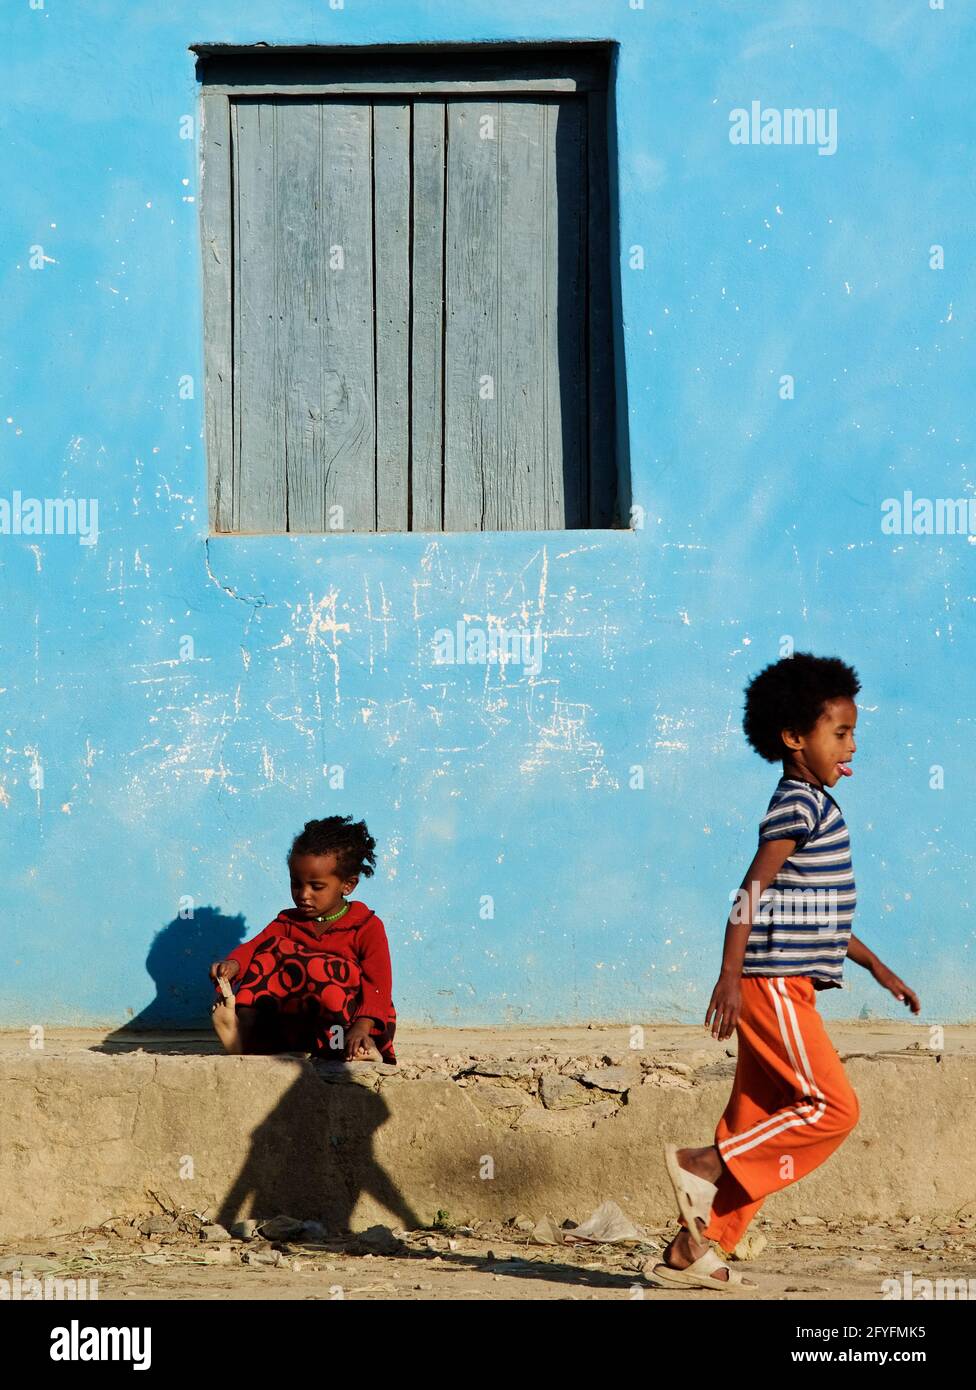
[(700, 1275), (695, 1195)]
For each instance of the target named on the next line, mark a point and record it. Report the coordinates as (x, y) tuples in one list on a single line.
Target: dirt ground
[(819, 1261), (157, 1252)]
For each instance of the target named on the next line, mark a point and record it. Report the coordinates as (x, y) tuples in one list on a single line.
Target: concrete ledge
[(476, 1123)]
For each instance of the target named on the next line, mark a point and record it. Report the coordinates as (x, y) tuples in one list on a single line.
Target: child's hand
[(726, 1005), (358, 1044), (229, 969), (888, 980)]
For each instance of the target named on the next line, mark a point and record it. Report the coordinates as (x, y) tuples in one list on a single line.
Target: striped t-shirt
[(802, 924)]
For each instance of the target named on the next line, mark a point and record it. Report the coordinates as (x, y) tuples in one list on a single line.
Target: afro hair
[(349, 840), (791, 694)]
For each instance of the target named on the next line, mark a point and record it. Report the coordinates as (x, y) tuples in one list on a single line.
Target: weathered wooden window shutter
[(407, 307)]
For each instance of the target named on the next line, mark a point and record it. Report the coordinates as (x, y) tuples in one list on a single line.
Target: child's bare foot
[(226, 1025)]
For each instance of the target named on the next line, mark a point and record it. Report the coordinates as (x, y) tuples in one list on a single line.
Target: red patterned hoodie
[(358, 936)]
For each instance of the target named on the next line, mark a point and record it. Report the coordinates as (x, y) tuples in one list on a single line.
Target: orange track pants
[(791, 1103)]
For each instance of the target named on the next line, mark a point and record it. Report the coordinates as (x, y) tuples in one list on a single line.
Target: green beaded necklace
[(333, 917)]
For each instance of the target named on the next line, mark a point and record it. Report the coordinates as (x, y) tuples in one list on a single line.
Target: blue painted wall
[(165, 777)]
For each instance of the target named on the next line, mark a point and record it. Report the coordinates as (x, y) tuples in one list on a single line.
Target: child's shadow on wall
[(179, 962), (312, 1156)]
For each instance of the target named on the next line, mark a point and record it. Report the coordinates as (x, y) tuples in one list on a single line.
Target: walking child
[(786, 939), (318, 978)]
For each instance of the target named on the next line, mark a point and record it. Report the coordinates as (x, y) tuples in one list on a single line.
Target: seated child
[(318, 978)]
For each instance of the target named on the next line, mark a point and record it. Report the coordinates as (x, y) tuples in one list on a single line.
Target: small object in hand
[(224, 986)]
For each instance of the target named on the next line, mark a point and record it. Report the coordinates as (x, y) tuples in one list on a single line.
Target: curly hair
[(791, 694), (349, 840)]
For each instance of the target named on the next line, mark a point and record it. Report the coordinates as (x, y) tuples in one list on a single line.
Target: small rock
[(380, 1240), (314, 1230), (157, 1225), (810, 1221), (561, 1092), (751, 1246), (933, 1243), (523, 1222), (281, 1228), (244, 1230), (214, 1233)]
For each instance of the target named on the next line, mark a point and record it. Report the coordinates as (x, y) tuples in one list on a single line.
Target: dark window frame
[(229, 71)]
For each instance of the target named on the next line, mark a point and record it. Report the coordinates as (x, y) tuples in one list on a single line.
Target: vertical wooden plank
[(260, 492), (217, 248), (566, 503), (516, 491), (299, 272), (474, 374), (427, 289), (515, 501), (304, 320), (348, 361), (391, 232), (602, 468)]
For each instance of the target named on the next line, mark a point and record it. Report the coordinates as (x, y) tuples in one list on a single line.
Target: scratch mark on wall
[(322, 630), (267, 765), (36, 773), (384, 619), (562, 738)]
